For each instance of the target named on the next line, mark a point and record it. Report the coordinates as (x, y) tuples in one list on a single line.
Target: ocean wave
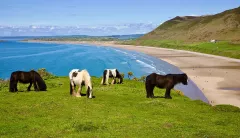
[(145, 64), (23, 48), (121, 51), (124, 62), (38, 54)]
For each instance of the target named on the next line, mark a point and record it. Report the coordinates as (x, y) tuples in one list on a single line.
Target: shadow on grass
[(82, 94), (27, 91), (159, 97)]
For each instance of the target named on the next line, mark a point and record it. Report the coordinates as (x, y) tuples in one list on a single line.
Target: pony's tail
[(11, 83), (40, 82), (104, 76)]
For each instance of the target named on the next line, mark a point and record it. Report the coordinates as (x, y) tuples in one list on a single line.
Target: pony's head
[(118, 75), (184, 79), (11, 86), (41, 85), (89, 92), (121, 79)]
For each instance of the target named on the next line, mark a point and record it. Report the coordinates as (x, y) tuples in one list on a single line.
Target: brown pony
[(27, 77), (164, 81)]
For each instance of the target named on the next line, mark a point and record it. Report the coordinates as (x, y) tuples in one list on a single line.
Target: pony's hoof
[(78, 95)]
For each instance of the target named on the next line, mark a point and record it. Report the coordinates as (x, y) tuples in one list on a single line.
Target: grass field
[(223, 48), (116, 111)]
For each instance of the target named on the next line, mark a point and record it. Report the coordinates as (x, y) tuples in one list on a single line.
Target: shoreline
[(217, 77)]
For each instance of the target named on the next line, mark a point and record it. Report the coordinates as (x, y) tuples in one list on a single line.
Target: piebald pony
[(80, 78), (111, 73)]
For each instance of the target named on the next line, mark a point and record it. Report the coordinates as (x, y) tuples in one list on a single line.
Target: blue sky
[(95, 12), (104, 12)]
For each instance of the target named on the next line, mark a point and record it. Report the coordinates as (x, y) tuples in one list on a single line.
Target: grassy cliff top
[(116, 111)]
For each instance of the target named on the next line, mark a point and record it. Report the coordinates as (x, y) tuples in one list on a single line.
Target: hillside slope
[(116, 111), (222, 26)]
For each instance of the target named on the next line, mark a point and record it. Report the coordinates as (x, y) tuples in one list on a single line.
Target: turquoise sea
[(59, 59)]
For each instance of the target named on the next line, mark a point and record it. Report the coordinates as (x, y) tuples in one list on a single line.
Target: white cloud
[(34, 27), (52, 28), (193, 15), (118, 29)]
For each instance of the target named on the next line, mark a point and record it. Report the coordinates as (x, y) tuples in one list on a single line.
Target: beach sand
[(218, 77)]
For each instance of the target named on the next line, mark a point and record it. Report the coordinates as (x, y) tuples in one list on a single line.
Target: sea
[(59, 59)]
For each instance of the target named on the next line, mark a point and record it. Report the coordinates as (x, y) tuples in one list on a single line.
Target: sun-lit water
[(59, 59)]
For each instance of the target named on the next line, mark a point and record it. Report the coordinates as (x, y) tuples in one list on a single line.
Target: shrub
[(143, 78), (130, 74), (45, 74), (3, 84)]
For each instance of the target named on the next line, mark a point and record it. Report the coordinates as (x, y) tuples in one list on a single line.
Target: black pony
[(164, 81), (27, 77)]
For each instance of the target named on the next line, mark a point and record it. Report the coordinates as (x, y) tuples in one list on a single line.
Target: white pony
[(111, 73), (80, 78)]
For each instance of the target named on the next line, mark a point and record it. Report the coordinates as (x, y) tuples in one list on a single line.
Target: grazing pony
[(80, 78), (27, 77), (111, 73), (164, 81)]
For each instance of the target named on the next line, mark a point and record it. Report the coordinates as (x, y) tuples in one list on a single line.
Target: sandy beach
[(217, 77)]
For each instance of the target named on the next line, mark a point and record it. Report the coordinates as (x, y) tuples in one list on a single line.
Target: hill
[(222, 26)]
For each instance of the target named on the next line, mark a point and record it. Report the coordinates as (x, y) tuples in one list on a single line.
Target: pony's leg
[(113, 81), (167, 94), (107, 77), (79, 91), (15, 87), (35, 86), (73, 88), (149, 90), (29, 87)]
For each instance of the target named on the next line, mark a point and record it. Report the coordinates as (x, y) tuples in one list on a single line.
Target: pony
[(164, 81), (31, 77), (111, 73), (213, 41), (80, 78)]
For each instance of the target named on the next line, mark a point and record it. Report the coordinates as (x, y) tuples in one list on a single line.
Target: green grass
[(223, 48), (116, 111)]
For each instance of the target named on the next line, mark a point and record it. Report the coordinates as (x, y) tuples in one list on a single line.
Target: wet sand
[(217, 77)]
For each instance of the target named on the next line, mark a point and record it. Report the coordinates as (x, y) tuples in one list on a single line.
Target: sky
[(95, 13)]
